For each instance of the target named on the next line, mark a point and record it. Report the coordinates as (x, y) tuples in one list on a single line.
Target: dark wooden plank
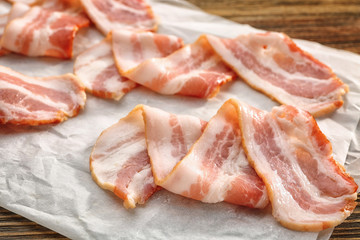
[(335, 23)]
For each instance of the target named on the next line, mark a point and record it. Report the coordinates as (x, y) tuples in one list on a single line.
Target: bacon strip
[(43, 32), (272, 63), (96, 66), (96, 69), (214, 170), (3, 22), (27, 2), (132, 48), (308, 189), (120, 14), (119, 161), (173, 147), (33, 101), (194, 70)]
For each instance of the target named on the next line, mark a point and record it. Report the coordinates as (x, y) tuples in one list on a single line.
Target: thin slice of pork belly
[(149, 138), (119, 161), (130, 48), (308, 189), (96, 68), (194, 70), (33, 101), (273, 64), (43, 32), (215, 168), (110, 15)]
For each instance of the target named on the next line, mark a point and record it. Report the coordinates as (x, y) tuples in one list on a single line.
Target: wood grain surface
[(335, 23)]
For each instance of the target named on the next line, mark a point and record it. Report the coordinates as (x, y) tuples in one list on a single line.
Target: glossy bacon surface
[(111, 15), (194, 70), (133, 47), (173, 146), (97, 70), (33, 101), (292, 161), (273, 64), (43, 32), (308, 189)]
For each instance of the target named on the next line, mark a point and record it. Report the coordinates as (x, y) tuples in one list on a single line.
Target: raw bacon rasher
[(97, 69), (42, 31), (308, 189), (111, 15), (212, 162), (187, 156), (34, 101), (273, 64), (194, 70), (131, 48)]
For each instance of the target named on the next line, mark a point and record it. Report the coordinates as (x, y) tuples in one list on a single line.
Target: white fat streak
[(106, 162), (191, 170), (92, 62), (285, 208), (55, 84), (159, 135), (15, 28), (3, 22), (174, 85), (105, 25), (64, 83), (123, 50), (138, 182), (146, 72), (41, 37), (18, 9), (155, 68), (185, 175), (312, 105), (275, 44), (230, 169), (300, 136), (122, 7), (10, 109)]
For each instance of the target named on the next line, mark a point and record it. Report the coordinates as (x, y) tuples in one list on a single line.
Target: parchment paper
[(44, 171)]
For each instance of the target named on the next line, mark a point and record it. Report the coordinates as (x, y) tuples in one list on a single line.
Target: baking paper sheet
[(44, 171)]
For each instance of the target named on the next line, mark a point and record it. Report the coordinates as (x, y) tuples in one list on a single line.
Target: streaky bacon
[(43, 32), (119, 161), (110, 15), (273, 64), (308, 189), (96, 68), (210, 167), (173, 147), (194, 70), (292, 159), (27, 2), (131, 48), (33, 101), (3, 22)]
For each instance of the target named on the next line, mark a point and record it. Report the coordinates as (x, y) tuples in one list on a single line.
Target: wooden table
[(335, 23)]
